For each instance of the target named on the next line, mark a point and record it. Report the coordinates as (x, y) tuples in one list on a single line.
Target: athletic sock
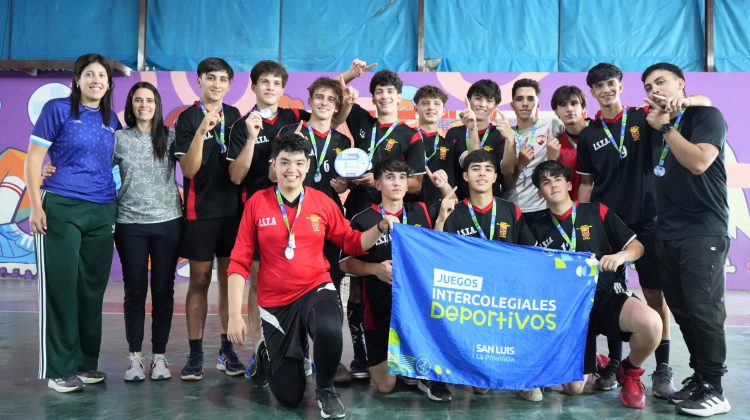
[(357, 330), (626, 365), (615, 348), (196, 347), (662, 352), (226, 345)]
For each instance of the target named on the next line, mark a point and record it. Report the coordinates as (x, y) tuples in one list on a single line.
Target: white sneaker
[(160, 368), (534, 394), (70, 384), (135, 369)]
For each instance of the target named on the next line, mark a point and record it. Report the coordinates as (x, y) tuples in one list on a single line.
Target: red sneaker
[(602, 360), (632, 392)]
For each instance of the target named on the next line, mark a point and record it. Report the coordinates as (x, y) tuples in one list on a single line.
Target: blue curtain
[(484, 36), (66, 29), (631, 34)]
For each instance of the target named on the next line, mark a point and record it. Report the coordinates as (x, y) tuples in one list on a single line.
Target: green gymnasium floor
[(222, 397)]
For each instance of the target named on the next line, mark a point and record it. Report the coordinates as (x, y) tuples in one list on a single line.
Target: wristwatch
[(664, 129)]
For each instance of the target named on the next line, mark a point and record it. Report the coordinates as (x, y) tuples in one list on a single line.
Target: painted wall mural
[(22, 98)]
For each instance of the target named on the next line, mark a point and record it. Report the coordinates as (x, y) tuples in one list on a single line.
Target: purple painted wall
[(22, 97)]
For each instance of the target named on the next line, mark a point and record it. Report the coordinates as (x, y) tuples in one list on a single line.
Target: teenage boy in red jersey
[(288, 224)]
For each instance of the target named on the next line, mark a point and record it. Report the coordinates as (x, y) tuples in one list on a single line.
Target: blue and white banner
[(484, 313)]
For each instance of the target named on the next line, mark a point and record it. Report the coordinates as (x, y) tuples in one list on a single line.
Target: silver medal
[(289, 253), (659, 170), (266, 113), (318, 176)]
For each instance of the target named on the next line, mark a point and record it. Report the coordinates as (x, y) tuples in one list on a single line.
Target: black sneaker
[(193, 370), (704, 402), (258, 368), (607, 379), (690, 385), (329, 403), (359, 369), (92, 376), (229, 363), (342, 375), (436, 391)]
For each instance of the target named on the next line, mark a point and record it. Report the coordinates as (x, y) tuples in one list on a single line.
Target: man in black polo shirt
[(212, 209), (692, 233), (615, 163), (592, 227), (249, 157)]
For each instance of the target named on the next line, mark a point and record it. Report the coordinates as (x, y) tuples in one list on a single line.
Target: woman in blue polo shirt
[(72, 217)]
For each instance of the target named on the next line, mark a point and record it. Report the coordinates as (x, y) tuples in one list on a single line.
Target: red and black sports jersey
[(509, 224), (338, 143), (282, 281), (210, 194), (440, 155), (257, 177), (569, 157), (417, 214), (494, 144), (403, 143), (694, 205), (624, 185), (598, 230)]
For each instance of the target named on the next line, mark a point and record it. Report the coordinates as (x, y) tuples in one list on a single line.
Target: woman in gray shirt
[(149, 225)]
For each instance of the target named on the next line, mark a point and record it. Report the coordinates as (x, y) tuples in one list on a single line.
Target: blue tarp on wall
[(180, 34), (480, 35), (731, 35), (466, 35), (326, 36), (65, 29), (632, 34)]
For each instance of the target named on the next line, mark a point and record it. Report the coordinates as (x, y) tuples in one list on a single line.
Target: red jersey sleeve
[(244, 245), (341, 233)]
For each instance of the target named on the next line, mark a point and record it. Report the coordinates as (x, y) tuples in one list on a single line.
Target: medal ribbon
[(319, 159), (492, 220), (570, 240), (374, 145), (220, 139), (622, 132), (286, 219), (405, 220), (665, 149), (519, 139), (484, 137), (437, 141)]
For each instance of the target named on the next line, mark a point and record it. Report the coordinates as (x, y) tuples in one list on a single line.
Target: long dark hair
[(159, 132), (105, 105)]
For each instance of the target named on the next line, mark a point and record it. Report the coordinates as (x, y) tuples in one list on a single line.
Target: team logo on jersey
[(635, 132), (443, 152), (503, 233), (315, 222), (488, 148), (389, 144), (266, 221), (540, 139), (585, 232), (362, 133)]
